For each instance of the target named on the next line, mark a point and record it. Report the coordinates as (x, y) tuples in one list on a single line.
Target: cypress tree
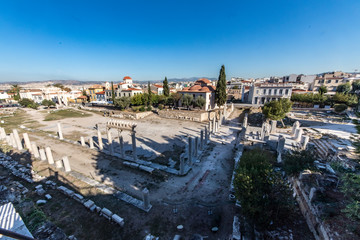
[(149, 93), (112, 93), (220, 92), (166, 87)]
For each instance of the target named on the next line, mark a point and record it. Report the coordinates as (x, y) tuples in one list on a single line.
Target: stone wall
[(196, 116), (131, 115)]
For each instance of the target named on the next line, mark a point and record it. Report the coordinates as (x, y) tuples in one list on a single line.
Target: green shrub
[(148, 108), (161, 107), (340, 107), (142, 109)]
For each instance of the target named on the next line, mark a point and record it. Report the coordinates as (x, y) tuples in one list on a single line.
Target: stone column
[(12, 140), (91, 143), (273, 126), (305, 141), (190, 150), (2, 133), (60, 131), (209, 126), (49, 155), (213, 125), (296, 125), (206, 135), (221, 118), (145, 195), (196, 146), (8, 140), (109, 137), (245, 120), (133, 141), (35, 150), (298, 134), (201, 139), (27, 141), (101, 147), (42, 154), (121, 141), (18, 140), (82, 140), (281, 144), (59, 164), (66, 164)]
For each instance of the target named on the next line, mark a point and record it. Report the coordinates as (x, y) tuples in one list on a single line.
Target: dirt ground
[(198, 201)]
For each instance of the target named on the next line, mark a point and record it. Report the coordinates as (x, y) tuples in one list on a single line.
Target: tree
[(29, 103), (344, 88), (47, 103), (149, 95), (200, 102), (276, 110), (86, 95), (297, 161), (15, 89), (356, 86), (137, 100), (322, 89), (112, 92), (176, 98), (263, 194), (187, 100), (122, 103), (166, 87), (220, 92)]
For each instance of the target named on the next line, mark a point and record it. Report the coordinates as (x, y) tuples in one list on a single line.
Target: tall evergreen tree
[(150, 94), (166, 87), (112, 93), (220, 92)]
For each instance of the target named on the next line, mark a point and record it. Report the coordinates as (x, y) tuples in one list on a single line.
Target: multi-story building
[(202, 87), (261, 93), (331, 81), (34, 94), (123, 89), (91, 91)]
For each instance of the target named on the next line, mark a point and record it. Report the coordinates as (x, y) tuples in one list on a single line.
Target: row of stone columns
[(43, 154)]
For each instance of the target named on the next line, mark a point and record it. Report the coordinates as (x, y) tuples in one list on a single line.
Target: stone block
[(119, 220), (106, 213)]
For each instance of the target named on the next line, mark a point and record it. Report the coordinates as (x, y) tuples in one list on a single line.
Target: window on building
[(275, 91), (280, 91), (264, 91), (328, 81), (257, 91), (337, 81), (286, 91)]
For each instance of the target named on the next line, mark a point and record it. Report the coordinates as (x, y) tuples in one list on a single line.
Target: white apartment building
[(261, 93)]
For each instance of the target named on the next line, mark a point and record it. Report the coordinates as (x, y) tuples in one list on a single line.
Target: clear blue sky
[(148, 40)]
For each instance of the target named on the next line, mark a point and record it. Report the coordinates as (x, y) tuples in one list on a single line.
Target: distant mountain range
[(77, 82)]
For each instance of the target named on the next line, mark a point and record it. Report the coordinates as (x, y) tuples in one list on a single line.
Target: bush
[(340, 107), (161, 107), (297, 161), (148, 108), (142, 109), (276, 110), (29, 103)]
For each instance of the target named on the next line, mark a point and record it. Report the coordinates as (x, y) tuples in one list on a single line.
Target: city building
[(331, 81), (261, 93), (91, 91), (202, 87)]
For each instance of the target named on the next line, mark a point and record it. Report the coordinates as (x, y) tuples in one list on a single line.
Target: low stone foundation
[(131, 115), (196, 116)]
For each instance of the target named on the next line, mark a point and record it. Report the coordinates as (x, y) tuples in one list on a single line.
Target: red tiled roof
[(158, 86), (96, 86), (127, 77), (132, 89), (204, 80), (102, 92)]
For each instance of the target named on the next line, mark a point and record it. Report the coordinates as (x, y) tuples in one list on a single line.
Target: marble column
[(182, 166), (298, 134), (101, 147), (122, 151), (18, 140), (133, 141), (295, 126), (201, 139), (12, 140), (42, 154), (60, 133), (49, 155), (27, 141), (206, 136), (35, 150), (190, 150), (82, 140), (273, 126), (91, 143), (66, 164), (305, 141), (2, 133), (196, 146), (146, 201)]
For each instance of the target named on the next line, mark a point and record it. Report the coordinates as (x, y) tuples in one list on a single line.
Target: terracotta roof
[(127, 77), (158, 86), (132, 89), (195, 87), (204, 80), (102, 92), (198, 88), (96, 86)]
